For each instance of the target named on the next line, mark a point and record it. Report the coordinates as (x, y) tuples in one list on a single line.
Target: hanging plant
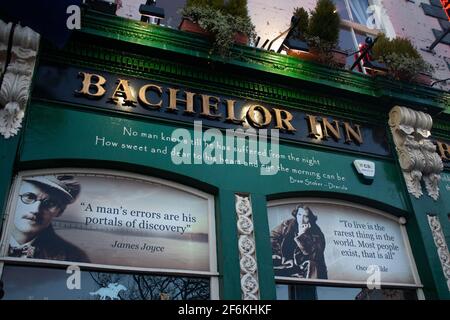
[(320, 30), (224, 23), (402, 59)]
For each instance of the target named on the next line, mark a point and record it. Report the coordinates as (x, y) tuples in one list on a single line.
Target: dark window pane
[(171, 9), (359, 10), (346, 44), (310, 292), (31, 283), (360, 37), (342, 9)]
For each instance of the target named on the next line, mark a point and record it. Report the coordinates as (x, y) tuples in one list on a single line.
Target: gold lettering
[(283, 124), (313, 127), (207, 105), (230, 113), (143, 98), (189, 101), (259, 116), (333, 130), (444, 150), (349, 133), (88, 84), (123, 91)]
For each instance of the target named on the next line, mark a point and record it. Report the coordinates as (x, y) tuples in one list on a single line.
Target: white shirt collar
[(13, 243)]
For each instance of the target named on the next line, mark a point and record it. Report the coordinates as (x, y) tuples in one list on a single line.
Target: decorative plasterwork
[(417, 154), (15, 88), (247, 253), (5, 30), (441, 245)]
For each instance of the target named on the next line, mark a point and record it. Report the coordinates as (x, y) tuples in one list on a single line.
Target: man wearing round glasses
[(40, 200)]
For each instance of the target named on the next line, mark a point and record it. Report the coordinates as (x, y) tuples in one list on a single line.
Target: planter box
[(189, 26), (374, 68), (423, 79), (339, 57), (377, 68), (193, 27), (241, 38)]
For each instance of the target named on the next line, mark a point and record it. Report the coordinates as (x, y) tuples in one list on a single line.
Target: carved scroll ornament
[(15, 88), (416, 153)]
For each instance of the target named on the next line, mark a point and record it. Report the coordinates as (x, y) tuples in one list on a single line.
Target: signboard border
[(13, 198), (400, 220)]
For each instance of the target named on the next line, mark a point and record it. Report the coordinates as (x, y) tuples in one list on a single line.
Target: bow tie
[(26, 251)]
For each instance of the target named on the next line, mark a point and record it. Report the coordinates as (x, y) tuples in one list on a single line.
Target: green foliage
[(324, 23), (303, 22), (320, 30), (222, 25), (218, 4), (385, 46), (401, 57), (237, 8)]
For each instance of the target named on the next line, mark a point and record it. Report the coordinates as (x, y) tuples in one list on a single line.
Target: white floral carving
[(249, 284), (10, 119), (5, 30), (246, 244), (243, 206), (249, 296), (441, 245), (14, 92), (417, 155), (433, 168), (248, 264), (245, 225)]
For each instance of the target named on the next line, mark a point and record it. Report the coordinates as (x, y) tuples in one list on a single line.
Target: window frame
[(353, 27), (212, 274), (340, 283)]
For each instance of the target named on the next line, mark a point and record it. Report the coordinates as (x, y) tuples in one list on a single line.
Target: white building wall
[(271, 18), (409, 21)]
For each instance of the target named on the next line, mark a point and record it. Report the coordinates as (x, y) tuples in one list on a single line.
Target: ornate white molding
[(441, 245), (416, 153), (246, 244), (5, 31), (15, 88)]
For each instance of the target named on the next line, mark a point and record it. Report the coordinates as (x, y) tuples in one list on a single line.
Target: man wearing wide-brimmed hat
[(41, 199)]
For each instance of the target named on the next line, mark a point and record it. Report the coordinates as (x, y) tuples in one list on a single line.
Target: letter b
[(88, 84)]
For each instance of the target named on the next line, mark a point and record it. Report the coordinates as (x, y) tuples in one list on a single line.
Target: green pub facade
[(257, 176)]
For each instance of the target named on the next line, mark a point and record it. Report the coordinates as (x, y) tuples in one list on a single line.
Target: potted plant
[(225, 24), (402, 60), (319, 32)]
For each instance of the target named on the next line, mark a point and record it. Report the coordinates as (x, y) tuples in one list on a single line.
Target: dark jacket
[(48, 245), (301, 256)]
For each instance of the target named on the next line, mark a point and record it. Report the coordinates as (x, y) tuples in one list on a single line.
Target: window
[(124, 231), (40, 283), (360, 19), (330, 249), (311, 292)]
